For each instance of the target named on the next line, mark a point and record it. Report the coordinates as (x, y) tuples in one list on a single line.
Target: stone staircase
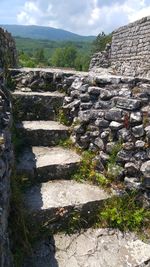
[(48, 165), (53, 196)]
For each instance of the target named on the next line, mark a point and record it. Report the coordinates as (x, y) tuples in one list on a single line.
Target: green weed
[(124, 213)]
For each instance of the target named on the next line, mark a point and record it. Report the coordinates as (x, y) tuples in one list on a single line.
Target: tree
[(64, 57), (39, 55), (100, 42)]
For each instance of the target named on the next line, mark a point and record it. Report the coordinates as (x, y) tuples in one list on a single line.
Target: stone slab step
[(42, 133), (36, 105), (55, 200), (91, 248), (46, 163)]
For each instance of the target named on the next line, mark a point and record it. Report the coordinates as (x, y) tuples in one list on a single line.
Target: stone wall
[(6, 162), (7, 58), (104, 112), (130, 51), (109, 112), (8, 54)]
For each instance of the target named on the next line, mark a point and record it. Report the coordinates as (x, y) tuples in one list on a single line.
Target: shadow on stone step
[(43, 255)]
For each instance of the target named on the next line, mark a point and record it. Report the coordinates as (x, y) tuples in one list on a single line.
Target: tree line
[(67, 56)]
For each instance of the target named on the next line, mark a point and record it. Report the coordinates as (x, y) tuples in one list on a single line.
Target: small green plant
[(62, 117), (66, 143), (113, 155), (113, 171), (88, 172), (124, 213)]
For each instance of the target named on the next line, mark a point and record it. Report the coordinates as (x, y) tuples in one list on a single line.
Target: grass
[(125, 213)]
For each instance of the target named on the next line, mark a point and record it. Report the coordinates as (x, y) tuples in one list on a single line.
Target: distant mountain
[(45, 33)]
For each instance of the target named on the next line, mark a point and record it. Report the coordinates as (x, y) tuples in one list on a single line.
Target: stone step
[(48, 163), (36, 105), (91, 248), (42, 133), (55, 201)]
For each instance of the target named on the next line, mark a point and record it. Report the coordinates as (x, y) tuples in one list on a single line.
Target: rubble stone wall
[(129, 53), (8, 54), (130, 49), (104, 112), (6, 164), (110, 111), (7, 58)]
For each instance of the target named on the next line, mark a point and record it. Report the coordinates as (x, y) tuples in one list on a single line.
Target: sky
[(85, 17)]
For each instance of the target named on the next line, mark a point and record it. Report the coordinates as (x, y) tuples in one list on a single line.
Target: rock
[(102, 123), (91, 248), (145, 169), (124, 156), (109, 147), (139, 144), (124, 135), (84, 97), (105, 134), (85, 106), (132, 183), (141, 156), (138, 131), (99, 142), (104, 157), (103, 104), (136, 117), (94, 90), (131, 168), (114, 125), (129, 146), (127, 103), (114, 114)]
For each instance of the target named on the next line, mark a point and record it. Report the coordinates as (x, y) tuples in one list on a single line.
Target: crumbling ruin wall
[(129, 53), (130, 49), (7, 58)]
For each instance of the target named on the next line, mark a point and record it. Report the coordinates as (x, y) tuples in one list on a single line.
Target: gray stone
[(91, 248), (35, 105), (94, 90), (132, 183), (125, 135), (114, 125), (99, 142), (131, 168), (138, 131), (136, 117), (84, 97), (46, 163), (102, 123), (114, 114), (109, 147), (145, 169), (139, 144), (127, 103), (42, 133), (57, 199)]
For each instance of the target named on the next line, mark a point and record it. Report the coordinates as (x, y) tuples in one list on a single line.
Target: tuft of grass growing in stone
[(125, 213), (62, 117), (87, 170)]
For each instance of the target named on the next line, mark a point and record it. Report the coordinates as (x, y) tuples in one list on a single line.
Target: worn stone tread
[(62, 193), (46, 163), (51, 204), (36, 105), (41, 125), (51, 94), (91, 248), (42, 133)]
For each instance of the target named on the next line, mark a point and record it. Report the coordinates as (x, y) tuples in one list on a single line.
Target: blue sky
[(85, 17)]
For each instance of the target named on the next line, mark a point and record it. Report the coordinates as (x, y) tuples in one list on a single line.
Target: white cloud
[(85, 16)]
